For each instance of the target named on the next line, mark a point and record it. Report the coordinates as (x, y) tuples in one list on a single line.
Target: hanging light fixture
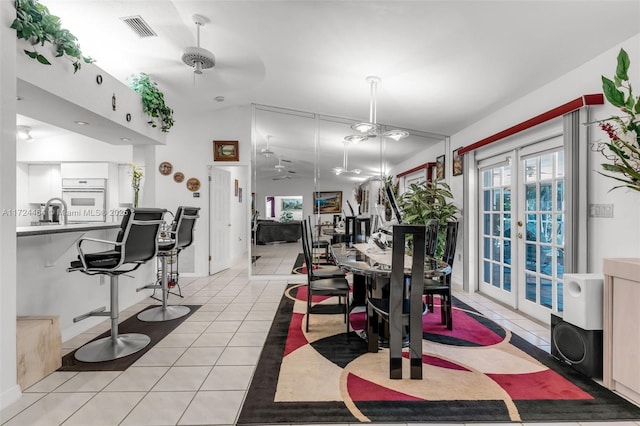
[(24, 133), (266, 152), (371, 128), (279, 167), (345, 163)]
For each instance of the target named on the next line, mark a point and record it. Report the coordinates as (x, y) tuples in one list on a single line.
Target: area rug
[(155, 330), (299, 266), (478, 372)]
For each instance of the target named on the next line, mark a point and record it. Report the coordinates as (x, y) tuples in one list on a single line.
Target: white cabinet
[(44, 182), (85, 170), (622, 326)]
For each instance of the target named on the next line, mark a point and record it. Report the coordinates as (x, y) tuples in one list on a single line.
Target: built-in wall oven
[(85, 198)]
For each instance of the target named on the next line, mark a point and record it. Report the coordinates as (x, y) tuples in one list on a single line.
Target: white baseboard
[(10, 396)]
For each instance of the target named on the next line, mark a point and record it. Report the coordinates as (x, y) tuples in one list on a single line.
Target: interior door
[(540, 228), (496, 250), (220, 223)]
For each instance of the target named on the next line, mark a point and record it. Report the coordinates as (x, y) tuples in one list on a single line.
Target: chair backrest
[(350, 229), (183, 226), (305, 248), (450, 243), (140, 235), (432, 237), (362, 229)]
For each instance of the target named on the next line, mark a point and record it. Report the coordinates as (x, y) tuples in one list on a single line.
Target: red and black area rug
[(478, 372)]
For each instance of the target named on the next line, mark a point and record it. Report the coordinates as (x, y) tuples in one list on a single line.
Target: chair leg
[(449, 313), (308, 307), (164, 312), (114, 346)]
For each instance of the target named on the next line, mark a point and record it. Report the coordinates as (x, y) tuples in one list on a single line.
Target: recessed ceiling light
[(18, 98), (125, 139), (24, 133), (219, 98), (81, 123)]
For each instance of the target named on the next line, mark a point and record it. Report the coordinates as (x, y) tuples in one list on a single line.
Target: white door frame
[(232, 221)]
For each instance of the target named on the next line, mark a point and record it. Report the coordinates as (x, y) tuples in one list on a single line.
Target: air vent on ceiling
[(139, 26)]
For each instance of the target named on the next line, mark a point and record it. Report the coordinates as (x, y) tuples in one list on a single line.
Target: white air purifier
[(582, 296)]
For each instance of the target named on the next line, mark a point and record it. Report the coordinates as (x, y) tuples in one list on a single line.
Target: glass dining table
[(371, 268)]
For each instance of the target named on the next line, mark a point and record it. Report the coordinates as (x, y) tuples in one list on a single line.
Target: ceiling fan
[(196, 56)]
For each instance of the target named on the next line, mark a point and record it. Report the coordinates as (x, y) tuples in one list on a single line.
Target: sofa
[(269, 231)]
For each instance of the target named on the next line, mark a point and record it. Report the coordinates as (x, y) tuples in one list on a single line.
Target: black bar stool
[(136, 243), (181, 237)]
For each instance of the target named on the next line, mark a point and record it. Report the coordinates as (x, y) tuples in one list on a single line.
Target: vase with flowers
[(622, 150), (136, 172)]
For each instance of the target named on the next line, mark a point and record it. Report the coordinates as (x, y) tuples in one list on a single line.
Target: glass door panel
[(495, 233), (542, 233)]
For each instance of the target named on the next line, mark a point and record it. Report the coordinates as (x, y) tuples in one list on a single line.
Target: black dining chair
[(332, 286), (431, 237), (179, 237), (441, 286), (135, 244), (317, 243), (401, 304), (319, 270)]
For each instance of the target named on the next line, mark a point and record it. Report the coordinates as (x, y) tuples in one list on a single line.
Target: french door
[(521, 228), (540, 231)]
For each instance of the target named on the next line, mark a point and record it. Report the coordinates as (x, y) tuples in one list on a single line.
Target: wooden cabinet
[(38, 348), (622, 326), (44, 182)]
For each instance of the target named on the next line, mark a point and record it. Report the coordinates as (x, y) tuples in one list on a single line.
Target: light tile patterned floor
[(199, 374)]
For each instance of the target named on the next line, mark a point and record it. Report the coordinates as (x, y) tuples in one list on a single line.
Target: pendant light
[(345, 163), (371, 128), (266, 152)]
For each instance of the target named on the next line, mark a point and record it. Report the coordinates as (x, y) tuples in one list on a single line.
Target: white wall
[(9, 390), (189, 149), (71, 147)]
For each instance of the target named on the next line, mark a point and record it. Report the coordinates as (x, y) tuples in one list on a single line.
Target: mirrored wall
[(295, 159)]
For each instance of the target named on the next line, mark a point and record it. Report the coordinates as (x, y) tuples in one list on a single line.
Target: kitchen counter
[(26, 231)]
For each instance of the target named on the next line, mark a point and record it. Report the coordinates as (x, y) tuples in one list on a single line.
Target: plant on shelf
[(36, 25), (426, 201), (136, 173), (623, 148), (152, 101)]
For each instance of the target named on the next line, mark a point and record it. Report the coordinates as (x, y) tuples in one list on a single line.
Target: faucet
[(64, 206)]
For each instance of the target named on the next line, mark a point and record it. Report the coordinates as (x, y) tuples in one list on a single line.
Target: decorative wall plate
[(165, 168), (128, 117), (193, 184), (178, 176), (99, 79)]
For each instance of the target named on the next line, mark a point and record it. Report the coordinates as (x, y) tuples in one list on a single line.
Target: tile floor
[(199, 374)]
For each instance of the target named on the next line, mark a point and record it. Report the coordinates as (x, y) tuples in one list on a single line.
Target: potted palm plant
[(430, 200)]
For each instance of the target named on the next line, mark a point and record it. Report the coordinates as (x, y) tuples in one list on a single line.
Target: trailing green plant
[(430, 200), (36, 25), (152, 101)]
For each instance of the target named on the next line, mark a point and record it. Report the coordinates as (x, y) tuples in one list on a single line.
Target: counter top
[(26, 231)]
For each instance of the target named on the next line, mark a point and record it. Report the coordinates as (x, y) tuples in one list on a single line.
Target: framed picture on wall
[(239, 195), (457, 163), (225, 151), (291, 204), (236, 188), (327, 202), (440, 167)]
